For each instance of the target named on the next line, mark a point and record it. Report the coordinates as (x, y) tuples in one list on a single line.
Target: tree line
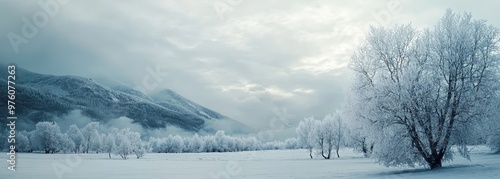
[(48, 138)]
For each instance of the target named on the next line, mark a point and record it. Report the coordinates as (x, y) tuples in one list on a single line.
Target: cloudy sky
[(245, 59)]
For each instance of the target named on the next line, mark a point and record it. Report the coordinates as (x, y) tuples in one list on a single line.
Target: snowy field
[(260, 165)]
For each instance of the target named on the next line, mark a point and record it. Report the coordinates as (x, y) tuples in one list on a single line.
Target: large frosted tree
[(422, 89)]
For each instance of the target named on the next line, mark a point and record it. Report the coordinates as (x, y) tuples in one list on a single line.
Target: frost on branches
[(421, 90), (326, 135)]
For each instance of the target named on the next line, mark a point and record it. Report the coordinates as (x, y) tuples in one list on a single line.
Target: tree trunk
[(436, 163), (323, 154), (310, 153), (326, 157), (109, 154), (329, 153), (365, 150)]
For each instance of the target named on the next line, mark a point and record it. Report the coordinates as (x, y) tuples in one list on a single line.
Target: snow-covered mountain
[(41, 97)]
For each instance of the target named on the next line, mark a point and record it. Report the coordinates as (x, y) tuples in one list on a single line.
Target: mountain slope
[(42, 97)]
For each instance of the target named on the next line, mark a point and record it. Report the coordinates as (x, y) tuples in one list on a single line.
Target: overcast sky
[(242, 58)]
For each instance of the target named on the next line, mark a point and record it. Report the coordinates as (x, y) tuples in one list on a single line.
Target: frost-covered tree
[(156, 144), (124, 145), (48, 137), (333, 133), (274, 145), (248, 144), (210, 144), (422, 88), (89, 132), (66, 144), (231, 144), (173, 144), (22, 142), (140, 149), (109, 144), (195, 144), (32, 140), (96, 143), (340, 132), (252, 144), (77, 137), (319, 137), (292, 143), (359, 123), (305, 130), (222, 141)]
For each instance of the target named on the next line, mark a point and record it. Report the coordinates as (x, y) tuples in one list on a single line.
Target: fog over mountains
[(42, 97)]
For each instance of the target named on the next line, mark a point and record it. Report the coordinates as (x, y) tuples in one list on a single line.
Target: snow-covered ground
[(260, 164)]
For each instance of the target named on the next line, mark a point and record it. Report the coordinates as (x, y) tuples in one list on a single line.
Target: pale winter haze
[(242, 60)]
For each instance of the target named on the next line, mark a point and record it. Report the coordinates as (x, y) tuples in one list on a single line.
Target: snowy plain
[(259, 164)]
